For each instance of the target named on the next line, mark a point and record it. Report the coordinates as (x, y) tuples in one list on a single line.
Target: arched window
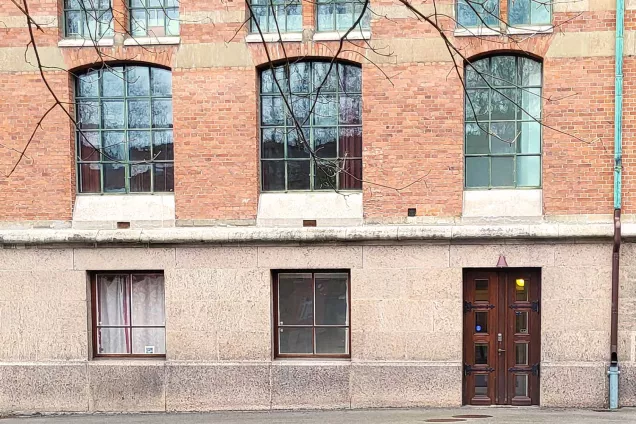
[(326, 100), (124, 136), (502, 123)]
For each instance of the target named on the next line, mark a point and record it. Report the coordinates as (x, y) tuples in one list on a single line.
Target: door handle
[(501, 350)]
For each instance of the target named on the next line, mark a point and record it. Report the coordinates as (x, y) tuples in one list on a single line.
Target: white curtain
[(148, 309), (112, 294)]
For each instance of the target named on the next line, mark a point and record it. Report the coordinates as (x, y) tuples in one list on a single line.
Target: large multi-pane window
[(90, 19), (312, 314), (154, 18), (325, 100), (478, 13), (340, 15), (529, 12), (128, 314), (124, 135), (503, 123), (274, 16)]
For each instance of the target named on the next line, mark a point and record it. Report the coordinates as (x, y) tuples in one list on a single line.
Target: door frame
[(502, 378)]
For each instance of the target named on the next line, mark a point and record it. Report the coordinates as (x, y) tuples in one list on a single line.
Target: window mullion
[(313, 285)]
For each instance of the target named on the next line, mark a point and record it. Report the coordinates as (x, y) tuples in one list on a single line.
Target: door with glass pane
[(501, 337)]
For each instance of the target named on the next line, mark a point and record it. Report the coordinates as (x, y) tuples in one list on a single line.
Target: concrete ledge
[(256, 235), (329, 209)]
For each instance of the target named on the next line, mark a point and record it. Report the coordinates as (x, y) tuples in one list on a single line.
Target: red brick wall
[(412, 125)]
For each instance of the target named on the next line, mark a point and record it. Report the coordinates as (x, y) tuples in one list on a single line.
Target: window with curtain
[(529, 12), (129, 314), (90, 19), (312, 314), (340, 15), (325, 99), (503, 123), (478, 13), (157, 18), (124, 134), (275, 16)]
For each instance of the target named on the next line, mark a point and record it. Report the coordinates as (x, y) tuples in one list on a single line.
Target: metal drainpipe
[(613, 371)]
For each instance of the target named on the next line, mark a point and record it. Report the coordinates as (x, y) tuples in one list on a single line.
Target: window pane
[(540, 12), (295, 299), (88, 84), (477, 172), (273, 175), (521, 290), (521, 322), (521, 385), (326, 17), (503, 104), (332, 341), (138, 114), (297, 146), (351, 176), (502, 171), (529, 171), (503, 137), (113, 301), (326, 82), (88, 115), (150, 341), (298, 175), (162, 113), (350, 142), (326, 111), (504, 71), (172, 22), (325, 174), (294, 17), (477, 105), (519, 12), (531, 103), (521, 353), (140, 176), (295, 340), (113, 82), (139, 145), (148, 299), (481, 322), (481, 353), (164, 177), (73, 23), (260, 16), (273, 143), (89, 146), (350, 78), (350, 110), (530, 72), (113, 340), (481, 385), (113, 115), (138, 81), (481, 290), (300, 110), (114, 146), (138, 22), (114, 178), (299, 77), (272, 111), (477, 138), (331, 299), (161, 82), (478, 13), (325, 142), (478, 74), (90, 178), (530, 138), (162, 147), (365, 22), (344, 16)]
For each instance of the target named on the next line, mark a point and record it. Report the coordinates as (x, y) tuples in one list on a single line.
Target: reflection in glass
[(521, 289), (521, 322), (481, 353), (331, 340), (521, 385), (481, 290), (521, 353), (481, 385), (481, 322)]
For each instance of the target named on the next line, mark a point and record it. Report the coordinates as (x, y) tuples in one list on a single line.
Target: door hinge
[(468, 369), (534, 369), (468, 306)]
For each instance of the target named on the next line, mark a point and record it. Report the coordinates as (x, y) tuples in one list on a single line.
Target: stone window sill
[(82, 42), (273, 38), (531, 29), (503, 203), (476, 32), (149, 41), (328, 209), (337, 35)]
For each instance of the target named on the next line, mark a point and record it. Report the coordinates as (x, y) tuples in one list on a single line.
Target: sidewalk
[(396, 416)]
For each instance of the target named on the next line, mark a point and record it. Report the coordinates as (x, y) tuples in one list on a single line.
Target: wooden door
[(501, 337)]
